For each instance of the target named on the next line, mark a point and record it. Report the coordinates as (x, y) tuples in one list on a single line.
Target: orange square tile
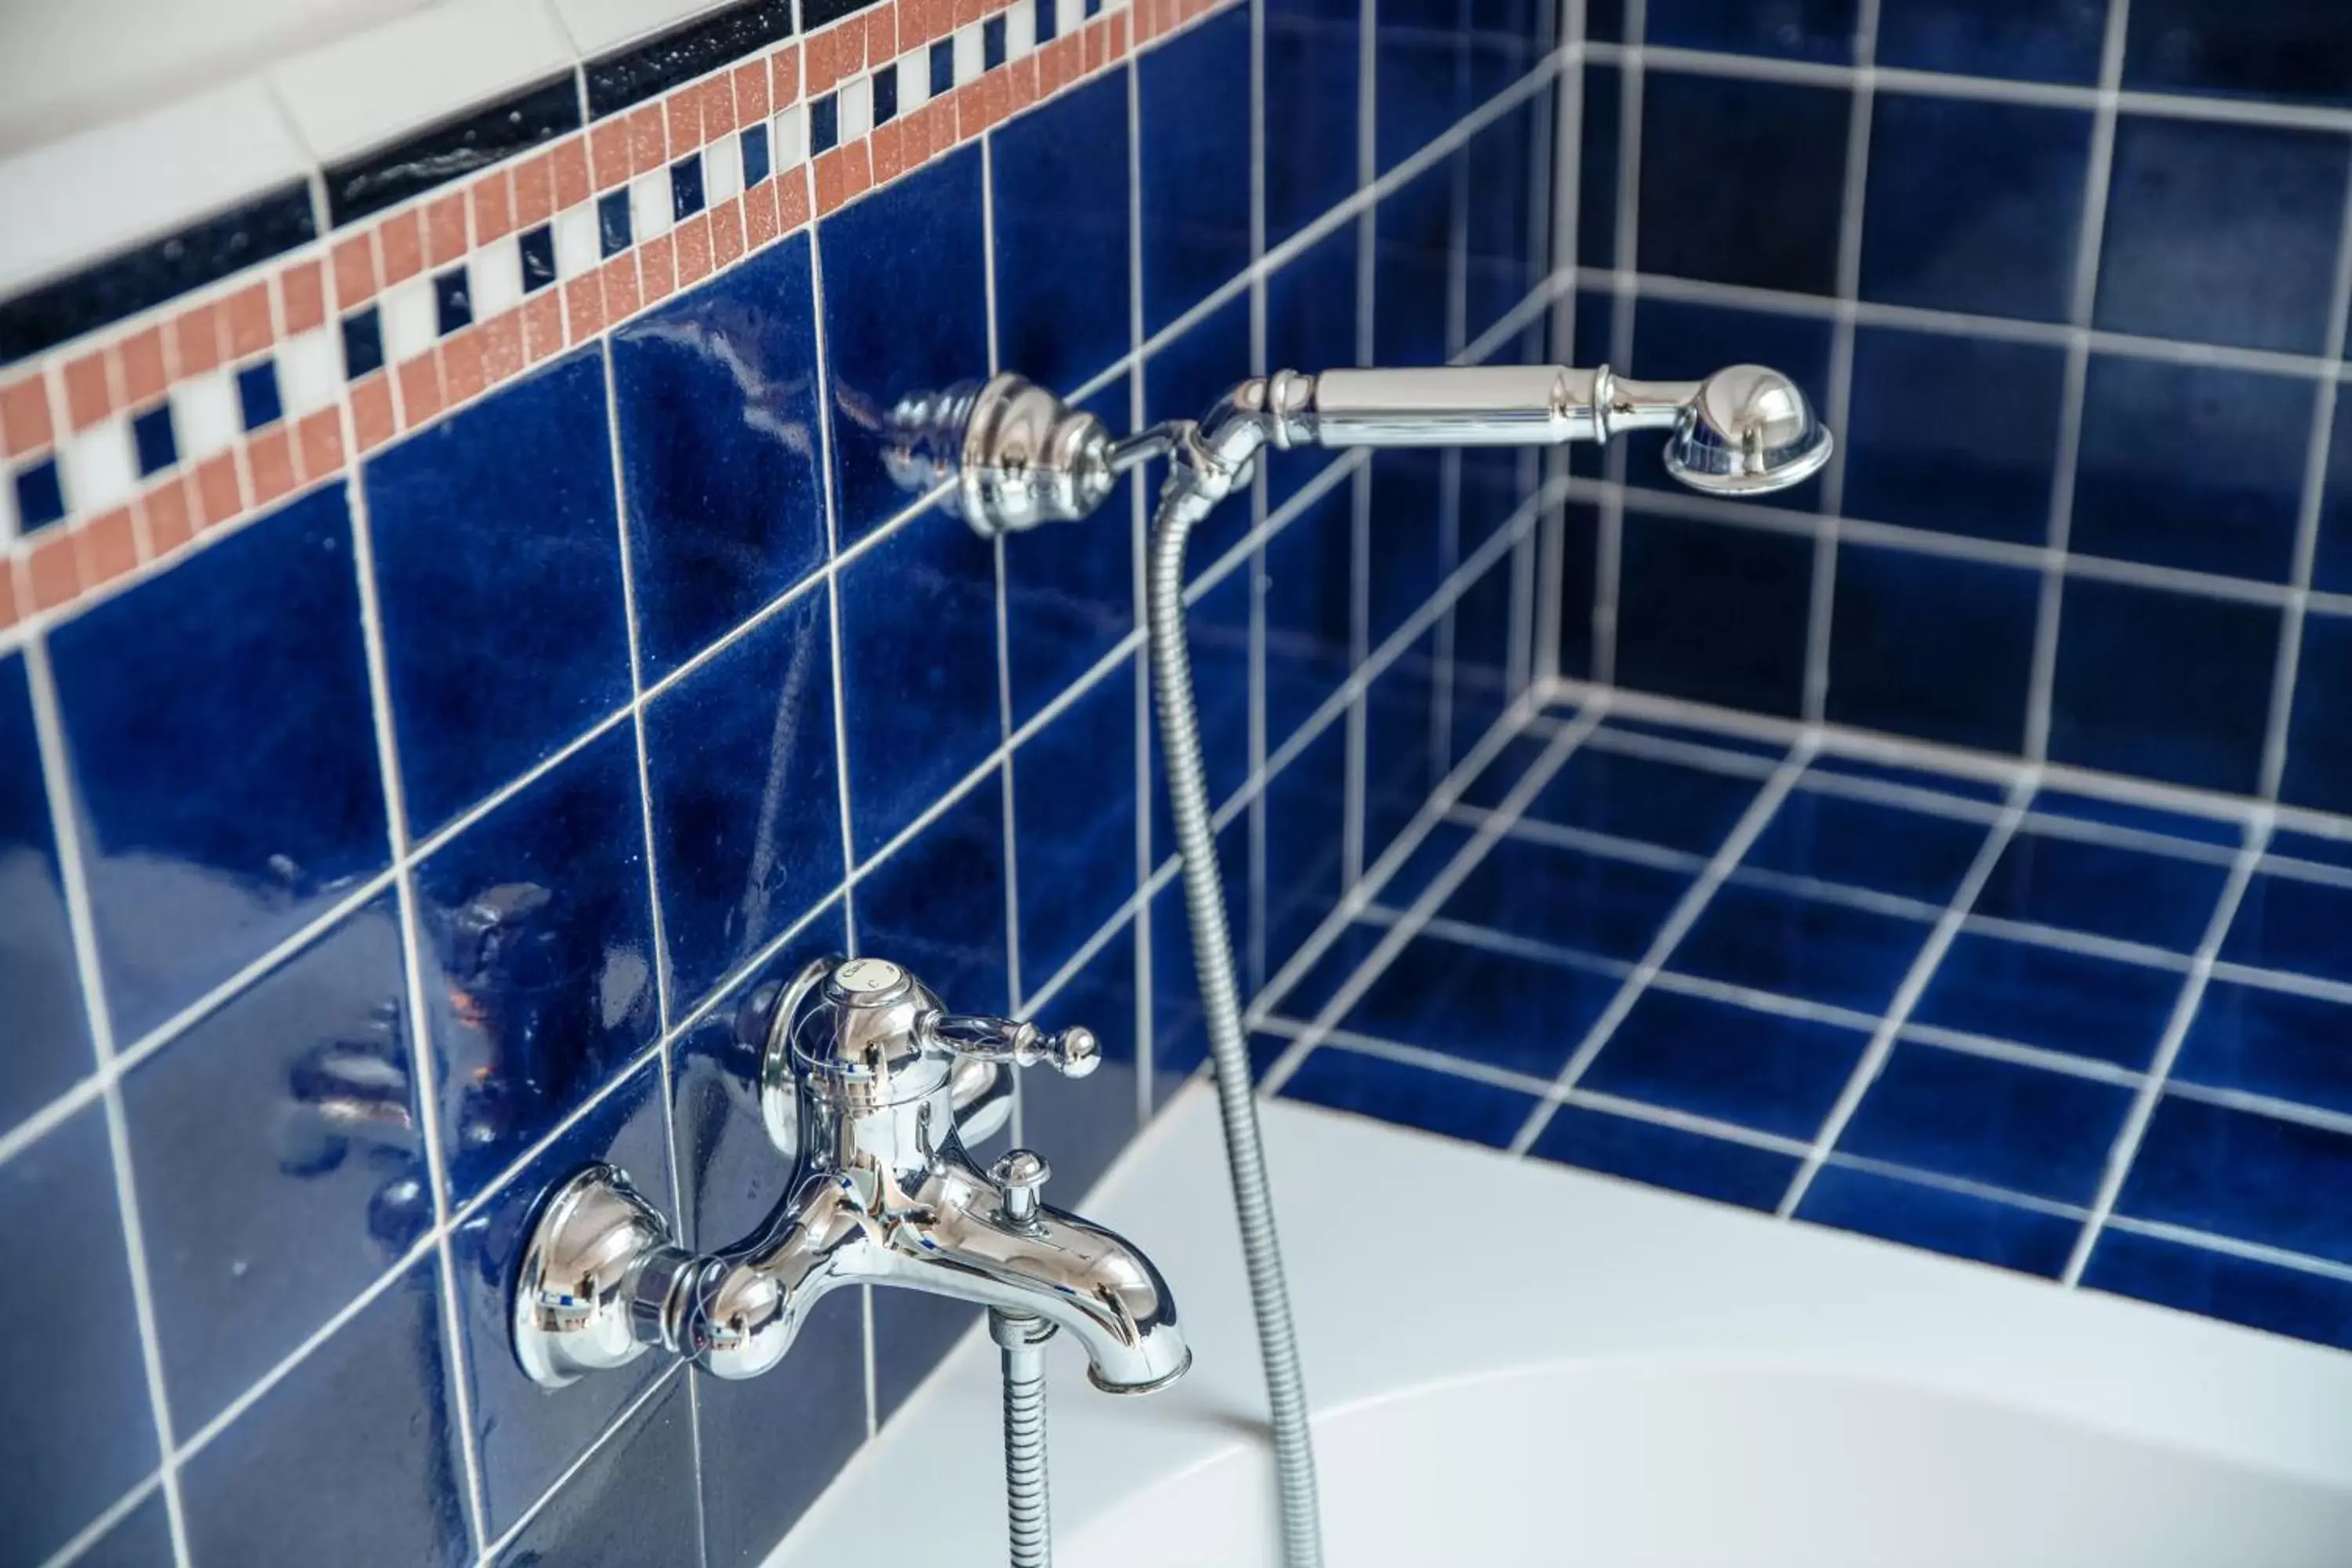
[(966, 12), (655, 274), (608, 153), (463, 377), (220, 492), (727, 232), (89, 396), (170, 523), (682, 110), (584, 307), (996, 96), (402, 244), (570, 161), (693, 241), (493, 206), (647, 145), (717, 106), (543, 325), (818, 72), (502, 348), (109, 548), (420, 390), (355, 272), (792, 204), (752, 98), (9, 613), (888, 147), (371, 418), (139, 367), (760, 214), (784, 76), (319, 445), (302, 297), (444, 228), (940, 114), (620, 277), (270, 459), (882, 33), (1119, 35), (25, 415), (53, 576), (534, 191), (1097, 38), (832, 171), (1023, 73), (249, 328)]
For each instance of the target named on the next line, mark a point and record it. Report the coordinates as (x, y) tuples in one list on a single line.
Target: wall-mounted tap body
[(882, 1193)]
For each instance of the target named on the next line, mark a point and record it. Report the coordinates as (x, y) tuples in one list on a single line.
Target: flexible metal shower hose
[(1213, 958), (1028, 1511)]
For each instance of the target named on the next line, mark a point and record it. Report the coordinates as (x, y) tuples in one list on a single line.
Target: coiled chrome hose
[(1028, 1509), (1186, 500)]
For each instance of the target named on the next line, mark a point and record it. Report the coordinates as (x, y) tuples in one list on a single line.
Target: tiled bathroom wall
[(457, 643)]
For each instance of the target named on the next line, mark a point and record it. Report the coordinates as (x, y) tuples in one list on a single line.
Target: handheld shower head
[(1747, 430)]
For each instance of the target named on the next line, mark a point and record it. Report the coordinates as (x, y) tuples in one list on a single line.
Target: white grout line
[(1906, 996), (2167, 1052), (1678, 922), (57, 773)]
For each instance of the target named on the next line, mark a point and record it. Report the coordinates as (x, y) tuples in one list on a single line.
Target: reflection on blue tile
[(2309, 1306), (2243, 1175), (1309, 97), (1790, 30), (352, 1458), (2063, 1000), (1933, 648), (1060, 218), (2287, 922), (2018, 1127), (49, 1041), (2211, 234), (241, 667), (536, 942), (633, 1501), (78, 1436), (2168, 685), (1690, 1162), (1644, 798), (2319, 735), (2103, 888), (745, 799), (938, 905), (1194, 122), (498, 566), (1952, 433), (2274, 1043), (1464, 1107), (1082, 1124), (280, 1168), (1714, 613), (1974, 207), (1522, 1014), (1796, 946), (906, 311), (1073, 819), (1607, 908), (922, 708), (1940, 1220), (1762, 1070), (1865, 844), (2037, 40), (525, 1435), (2277, 53), (1774, 228), (716, 394), (2191, 466)]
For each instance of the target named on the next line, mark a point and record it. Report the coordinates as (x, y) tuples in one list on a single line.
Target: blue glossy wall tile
[(2163, 685), (1074, 817), (1569, 898), (1938, 650), (1309, 603), (2103, 890), (242, 668), (1791, 945), (1524, 1015), (1939, 1219), (1393, 1092), (633, 1500), (2103, 1008), (1650, 800), (2320, 749), (1664, 1156), (2243, 1176), (1413, 268), (1194, 119), (1714, 613), (498, 566), (1061, 195), (1758, 1070), (1087, 1121), (2278, 1044), (1819, 30), (1776, 227), (2307, 1305), (715, 394), (1065, 609), (1306, 841), (1310, 94), (1951, 433), (2034, 40), (49, 1045), (1499, 263), (1867, 844), (1998, 1123), (938, 906), (2280, 53)]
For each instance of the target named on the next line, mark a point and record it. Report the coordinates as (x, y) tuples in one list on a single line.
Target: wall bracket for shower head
[(1018, 456)]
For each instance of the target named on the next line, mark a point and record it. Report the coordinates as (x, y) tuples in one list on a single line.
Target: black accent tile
[(453, 301), (2293, 53), (1774, 228), (1691, 1162), (885, 95), (1820, 30), (2222, 234), (816, 14), (242, 667), (2103, 1008), (1937, 648), (49, 1042), (41, 495), (2104, 889), (2034, 40), (1759, 1070), (825, 123), (537, 246), (2308, 1306), (753, 143), (686, 187), (498, 574), (2165, 686), (256, 395), (79, 1434), (1714, 613), (1955, 433), (354, 1456), (1960, 1224), (362, 343), (150, 434), (642, 71), (991, 43), (612, 226), (2022, 1129), (151, 273), (1974, 207), (632, 1502), (2245, 1177), (1464, 1108), (450, 151)]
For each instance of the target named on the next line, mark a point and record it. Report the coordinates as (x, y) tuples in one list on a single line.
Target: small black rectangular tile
[(639, 72), (358, 187)]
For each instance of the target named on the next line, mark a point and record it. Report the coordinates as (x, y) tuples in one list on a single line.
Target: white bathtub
[(1517, 1362)]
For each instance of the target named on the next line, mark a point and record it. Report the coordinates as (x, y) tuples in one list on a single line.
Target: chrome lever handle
[(1073, 1052)]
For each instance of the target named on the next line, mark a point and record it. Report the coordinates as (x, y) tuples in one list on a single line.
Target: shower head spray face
[(1747, 431)]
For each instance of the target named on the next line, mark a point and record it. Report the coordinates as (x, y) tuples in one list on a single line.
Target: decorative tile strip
[(130, 444)]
